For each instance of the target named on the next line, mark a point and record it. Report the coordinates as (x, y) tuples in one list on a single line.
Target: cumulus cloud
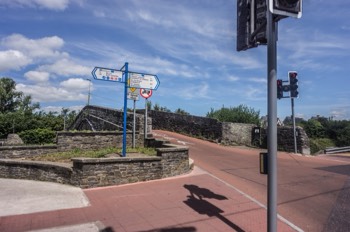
[(37, 76), (75, 84), (12, 59), (66, 67), (50, 93), (46, 47)]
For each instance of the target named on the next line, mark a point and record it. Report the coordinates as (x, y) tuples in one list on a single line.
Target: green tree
[(239, 114), (314, 129), (10, 99)]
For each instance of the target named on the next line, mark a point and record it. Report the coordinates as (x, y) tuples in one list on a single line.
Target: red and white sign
[(146, 93)]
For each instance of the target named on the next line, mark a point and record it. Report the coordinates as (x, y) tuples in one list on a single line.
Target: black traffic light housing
[(244, 16), (291, 8), (279, 89), (293, 84), (251, 23)]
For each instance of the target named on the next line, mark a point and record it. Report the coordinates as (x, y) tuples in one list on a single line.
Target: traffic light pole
[(294, 131), (272, 122)]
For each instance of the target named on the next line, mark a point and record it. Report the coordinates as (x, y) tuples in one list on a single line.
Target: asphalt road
[(313, 192)]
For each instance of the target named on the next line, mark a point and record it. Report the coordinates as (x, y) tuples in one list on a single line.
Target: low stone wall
[(35, 170), (94, 140), (16, 152), (171, 160)]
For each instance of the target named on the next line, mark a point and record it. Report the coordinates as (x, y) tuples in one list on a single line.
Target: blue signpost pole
[(125, 108)]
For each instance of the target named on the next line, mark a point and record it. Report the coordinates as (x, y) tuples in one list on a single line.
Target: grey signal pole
[(272, 122), (294, 131)]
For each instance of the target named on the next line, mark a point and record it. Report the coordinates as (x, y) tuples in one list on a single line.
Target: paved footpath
[(193, 202)]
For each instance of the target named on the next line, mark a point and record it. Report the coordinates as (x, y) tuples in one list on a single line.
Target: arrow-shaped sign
[(107, 74), (143, 81)]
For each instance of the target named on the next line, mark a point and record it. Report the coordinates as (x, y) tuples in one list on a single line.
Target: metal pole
[(145, 126), (134, 127), (88, 103), (125, 109), (272, 122), (294, 131)]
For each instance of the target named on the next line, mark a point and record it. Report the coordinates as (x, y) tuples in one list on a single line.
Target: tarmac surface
[(197, 201)]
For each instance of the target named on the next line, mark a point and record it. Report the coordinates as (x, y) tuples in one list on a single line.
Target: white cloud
[(75, 84), (58, 5), (50, 93), (258, 79), (12, 59), (65, 67), (37, 76), (52, 5), (199, 91), (46, 47), (233, 78), (58, 109)]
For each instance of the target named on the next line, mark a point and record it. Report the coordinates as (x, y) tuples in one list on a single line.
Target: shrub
[(317, 145), (38, 136)]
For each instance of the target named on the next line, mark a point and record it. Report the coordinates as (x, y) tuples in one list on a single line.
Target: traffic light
[(260, 21), (244, 17), (292, 8), (279, 89), (293, 84)]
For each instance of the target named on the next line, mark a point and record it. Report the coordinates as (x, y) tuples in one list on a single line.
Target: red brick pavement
[(193, 202)]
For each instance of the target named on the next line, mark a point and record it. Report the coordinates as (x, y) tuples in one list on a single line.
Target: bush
[(38, 136), (317, 145), (240, 114)]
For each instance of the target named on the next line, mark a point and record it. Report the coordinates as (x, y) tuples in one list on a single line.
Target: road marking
[(293, 226)]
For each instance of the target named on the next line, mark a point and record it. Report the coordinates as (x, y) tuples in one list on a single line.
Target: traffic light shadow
[(201, 206)]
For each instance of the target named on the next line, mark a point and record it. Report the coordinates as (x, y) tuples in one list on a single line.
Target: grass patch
[(67, 156)]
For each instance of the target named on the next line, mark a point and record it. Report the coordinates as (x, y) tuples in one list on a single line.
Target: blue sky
[(50, 48)]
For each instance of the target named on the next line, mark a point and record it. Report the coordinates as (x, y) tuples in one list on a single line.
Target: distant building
[(264, 122)]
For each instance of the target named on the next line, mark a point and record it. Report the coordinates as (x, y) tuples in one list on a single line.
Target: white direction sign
[(146, 93), (107, 74), (143, 81)]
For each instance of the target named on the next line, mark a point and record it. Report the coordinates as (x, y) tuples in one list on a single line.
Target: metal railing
[(333, 150)]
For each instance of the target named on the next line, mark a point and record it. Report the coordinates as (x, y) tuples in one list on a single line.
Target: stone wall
[(237, 133), (35, 170), (171, 160), (94, 140), (203, 127), (285, 140), (225, 133), (98, 118), (15, 152)]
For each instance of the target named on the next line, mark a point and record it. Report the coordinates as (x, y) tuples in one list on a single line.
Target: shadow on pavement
[(204, 207)]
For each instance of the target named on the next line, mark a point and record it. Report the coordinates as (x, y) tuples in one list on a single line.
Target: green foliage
[(240, 114), (320, 144), (38, 136), (181, 111), (314, 129), (157, 107), (321, 129), (343, 137), (12, 100)]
